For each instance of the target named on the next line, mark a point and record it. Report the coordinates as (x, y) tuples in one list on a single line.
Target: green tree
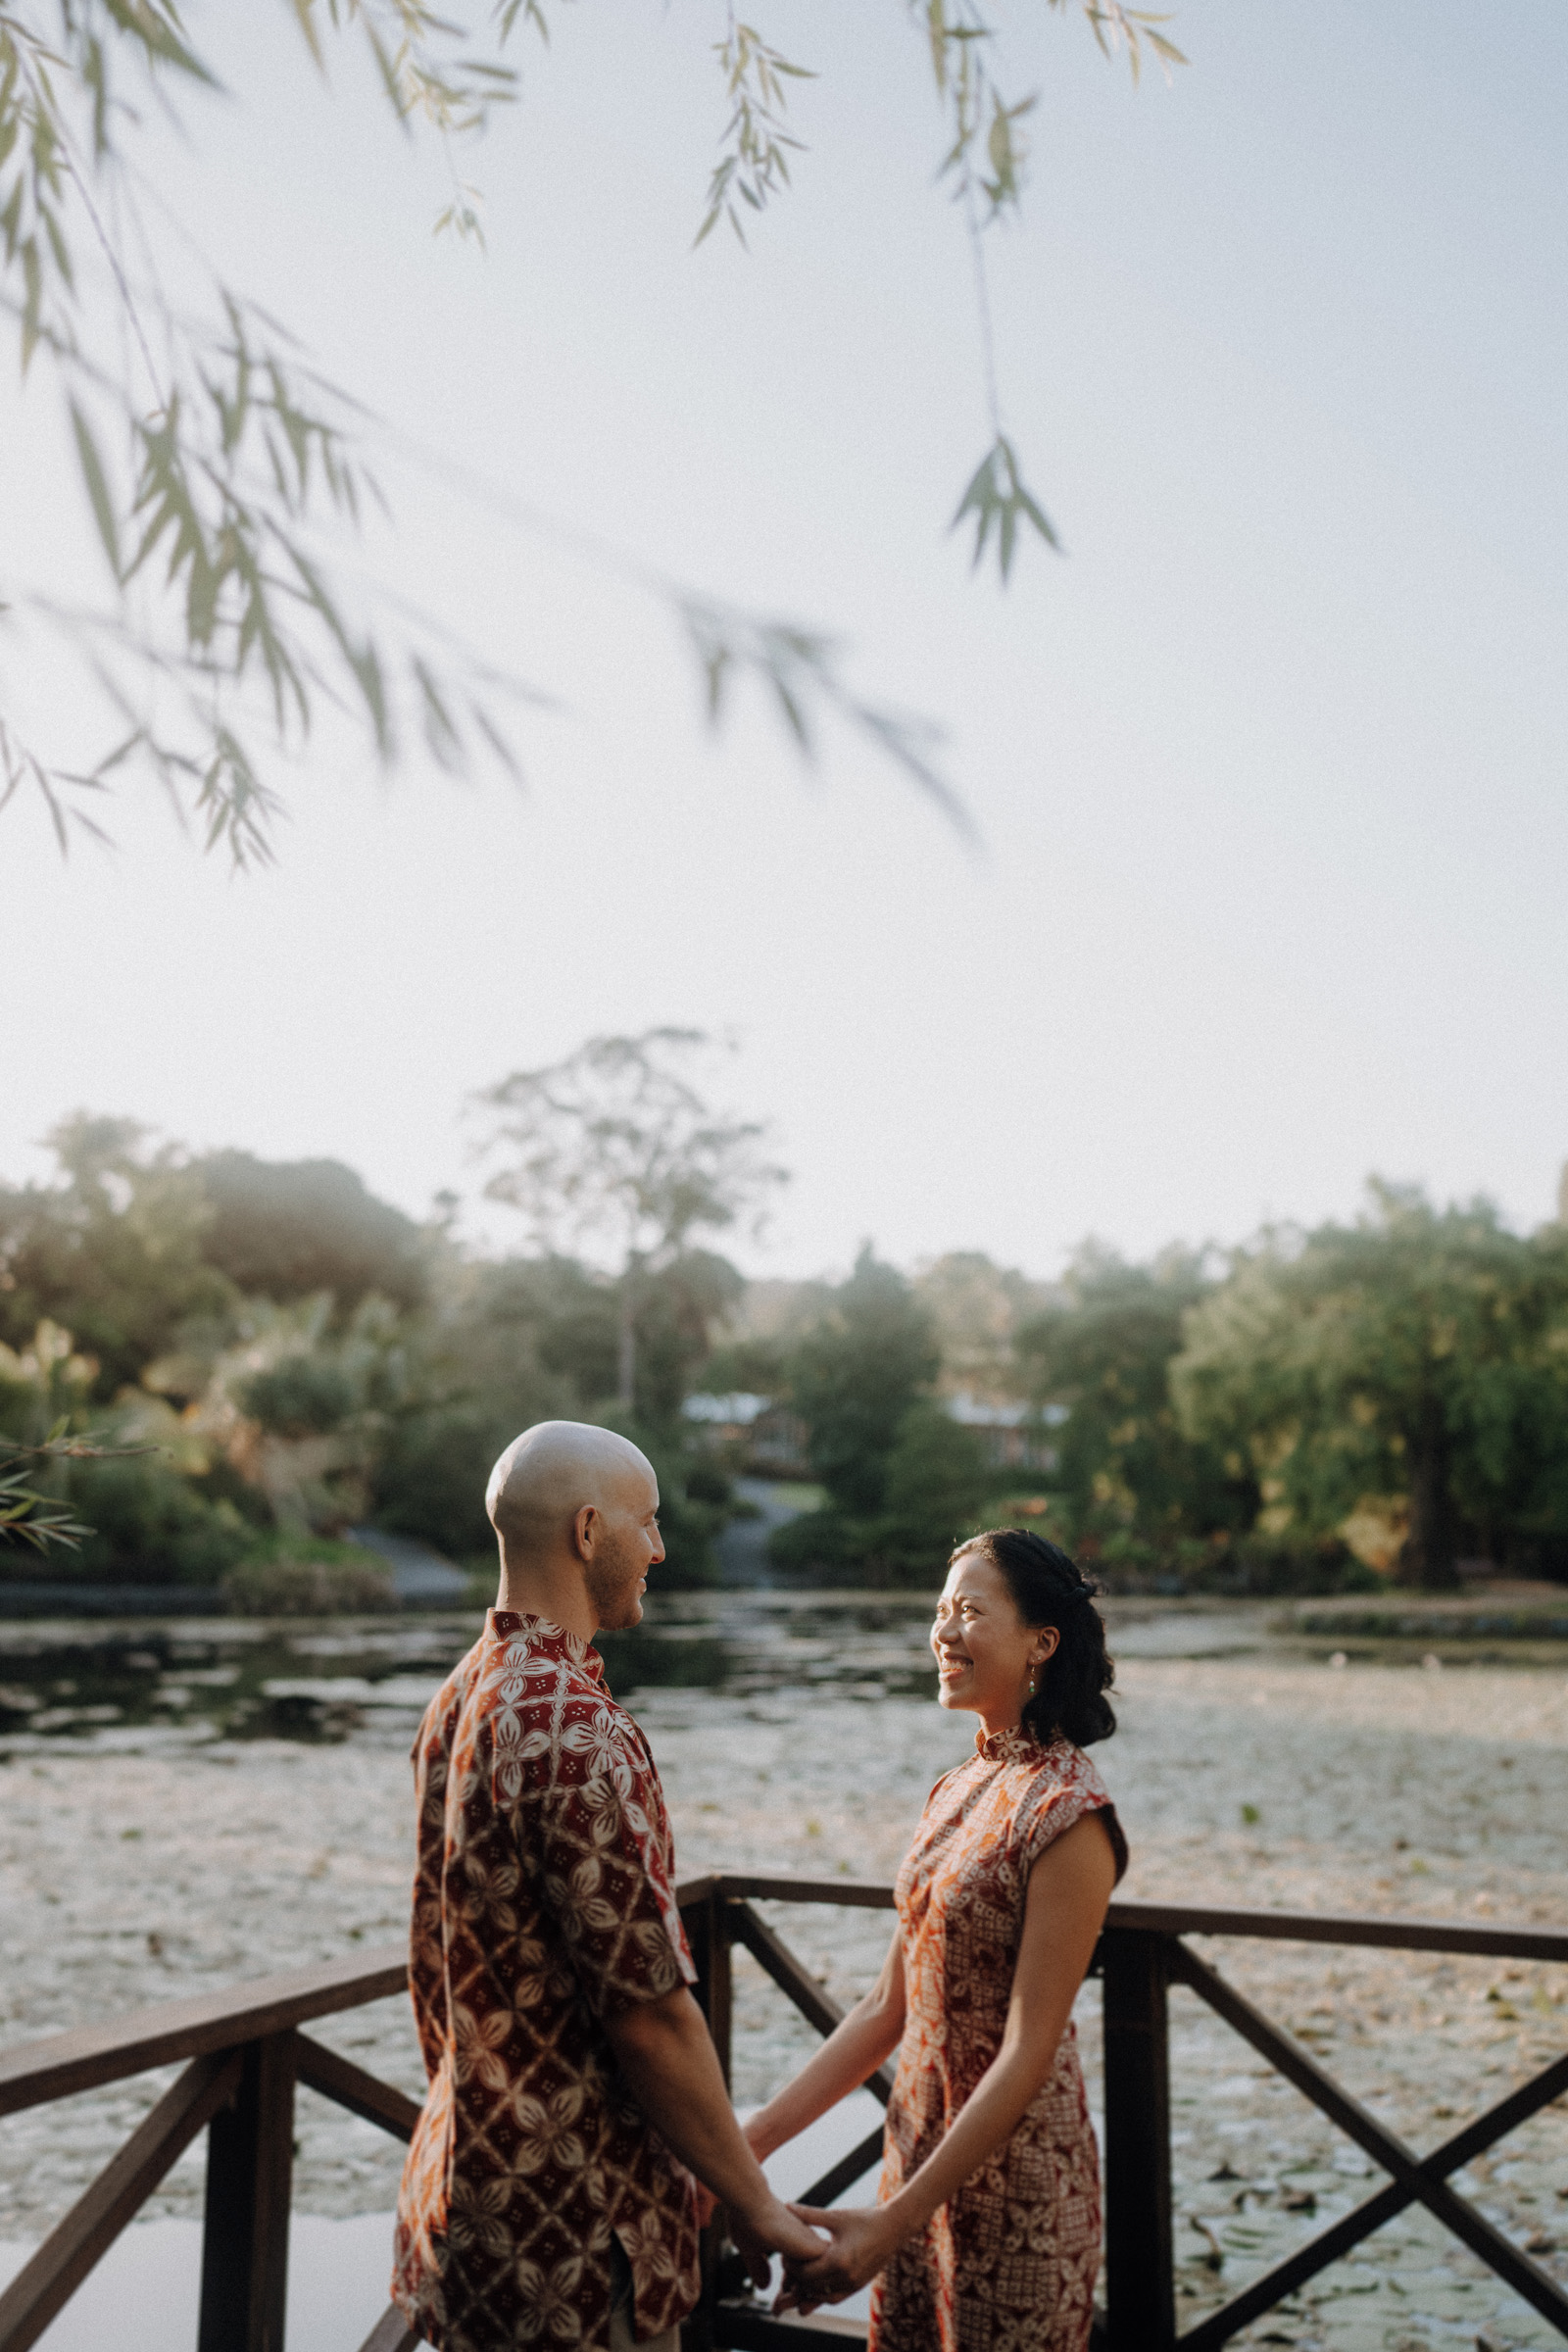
[(287, 1228), (501, 1345), (904, 1480), (115, 1252), (617, 1143), (933, 1494), (222, 475), (122, 1511), (855, 1377), (1098, 1361), (134, 1246), (497, 1347), (1420, 1354)]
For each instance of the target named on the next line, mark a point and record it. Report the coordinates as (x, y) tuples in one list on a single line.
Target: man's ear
[(584, 1531)]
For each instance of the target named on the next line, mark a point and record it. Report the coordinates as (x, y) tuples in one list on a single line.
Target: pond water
[(109, 1685), (186, 1805)]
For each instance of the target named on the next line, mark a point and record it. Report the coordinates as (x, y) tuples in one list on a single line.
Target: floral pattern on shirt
[(1009, 2264), (543, 1901)]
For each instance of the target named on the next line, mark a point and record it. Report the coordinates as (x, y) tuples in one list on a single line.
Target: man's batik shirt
[(543, 1901)]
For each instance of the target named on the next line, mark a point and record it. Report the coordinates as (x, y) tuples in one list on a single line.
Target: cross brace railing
[(243, 2053), (1142, 1953)]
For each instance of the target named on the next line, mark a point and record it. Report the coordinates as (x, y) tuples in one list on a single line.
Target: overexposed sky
[(1271, 770)]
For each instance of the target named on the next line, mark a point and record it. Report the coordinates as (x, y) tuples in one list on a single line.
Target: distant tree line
[(1317, 1409), (264, 1356), (298, 1357)]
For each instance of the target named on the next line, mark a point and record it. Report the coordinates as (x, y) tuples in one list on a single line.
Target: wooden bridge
[(244, 2051)]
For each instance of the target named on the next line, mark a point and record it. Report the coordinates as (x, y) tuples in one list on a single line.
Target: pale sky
[(1271, 770)]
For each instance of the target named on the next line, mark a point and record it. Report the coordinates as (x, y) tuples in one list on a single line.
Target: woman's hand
[(863, 2243)]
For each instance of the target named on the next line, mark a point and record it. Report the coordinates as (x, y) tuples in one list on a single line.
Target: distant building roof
[(974, 1414), (738, 1411)]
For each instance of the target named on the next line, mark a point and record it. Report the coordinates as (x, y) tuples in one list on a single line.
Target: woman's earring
[(1033, 1682)]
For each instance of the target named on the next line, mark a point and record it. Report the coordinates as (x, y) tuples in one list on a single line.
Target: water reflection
[(184, 1681), (113, 1685)]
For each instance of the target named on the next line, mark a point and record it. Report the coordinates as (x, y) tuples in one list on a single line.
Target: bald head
[(549, 1474)]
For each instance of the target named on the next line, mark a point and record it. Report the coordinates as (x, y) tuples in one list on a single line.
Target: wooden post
[(708, 1931), (250, 2162), (1139, 2281)]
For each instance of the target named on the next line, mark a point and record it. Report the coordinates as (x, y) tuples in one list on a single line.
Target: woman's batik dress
[(1009, 2264)]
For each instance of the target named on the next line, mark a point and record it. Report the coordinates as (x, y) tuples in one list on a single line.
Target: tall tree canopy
[(1419, 1353), (114, 1251), (615, 1144), (904, 1480), (289, 1228), (1099, 1360), (854, 1378)]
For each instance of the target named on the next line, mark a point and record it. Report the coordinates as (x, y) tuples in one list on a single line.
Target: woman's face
[(983, 1648)]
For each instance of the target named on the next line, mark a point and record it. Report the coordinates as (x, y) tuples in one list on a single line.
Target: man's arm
[(671, 2067)]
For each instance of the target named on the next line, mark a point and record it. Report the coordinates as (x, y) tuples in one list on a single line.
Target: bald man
[(548, 2196)]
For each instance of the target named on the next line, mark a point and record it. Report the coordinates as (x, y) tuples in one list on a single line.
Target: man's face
[(625, 1543)]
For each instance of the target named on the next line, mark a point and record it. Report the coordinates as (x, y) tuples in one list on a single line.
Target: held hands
[(773, 2228), (861, 2244)]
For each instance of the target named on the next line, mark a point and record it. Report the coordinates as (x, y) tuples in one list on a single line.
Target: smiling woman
[(1017, 1610), (999, 1900)]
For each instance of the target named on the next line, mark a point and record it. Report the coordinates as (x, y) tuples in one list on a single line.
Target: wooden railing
[(244, 2051)]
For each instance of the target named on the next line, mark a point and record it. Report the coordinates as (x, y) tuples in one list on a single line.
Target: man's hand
[(770, 2227), (861, 2243)]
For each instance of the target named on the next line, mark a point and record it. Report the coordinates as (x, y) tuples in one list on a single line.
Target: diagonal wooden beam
[(339, 2078), (845, 2173), (1418, 2178), (78, 2242), (1333, 2244), (791, 1975), (391, 2333), (1330, 2245), (1288, 2059)]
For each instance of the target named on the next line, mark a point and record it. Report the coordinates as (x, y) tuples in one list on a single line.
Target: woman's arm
[(1069, 1888), (853, 2051)]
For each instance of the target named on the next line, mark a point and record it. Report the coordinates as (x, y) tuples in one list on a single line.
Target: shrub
[(1253, 1567), (275, 1586), (706, 1482), (150, 1527), (300, 1396), (824, 1547), (430, 1477), (936, 1491)]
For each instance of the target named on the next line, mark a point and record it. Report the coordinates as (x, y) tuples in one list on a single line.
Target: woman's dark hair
[(1050, 1589)]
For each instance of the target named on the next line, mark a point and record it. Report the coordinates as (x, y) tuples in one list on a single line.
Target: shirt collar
[(1006, 1748), (545, 1637)]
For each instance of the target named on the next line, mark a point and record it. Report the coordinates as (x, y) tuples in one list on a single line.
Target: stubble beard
[(612, 1578)]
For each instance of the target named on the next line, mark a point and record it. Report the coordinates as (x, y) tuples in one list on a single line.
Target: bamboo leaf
[(97, 481)]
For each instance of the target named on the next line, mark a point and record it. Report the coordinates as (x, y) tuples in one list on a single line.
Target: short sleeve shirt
[(543, 1901)]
